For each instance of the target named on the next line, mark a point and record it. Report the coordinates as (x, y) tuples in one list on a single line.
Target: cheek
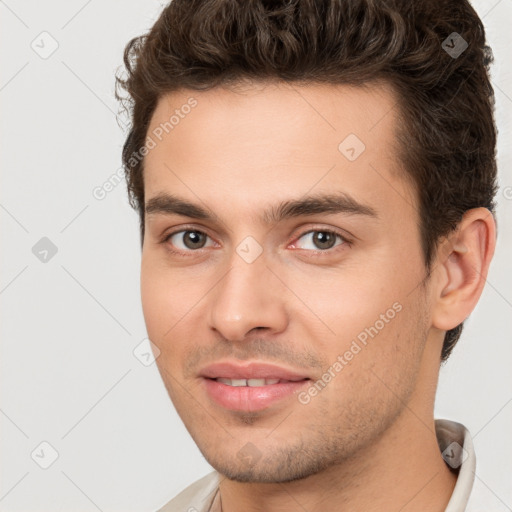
[(373, 319), (171, 304), (374, 377), (154, 300), (163, 290), (345, 301), (161, 298)]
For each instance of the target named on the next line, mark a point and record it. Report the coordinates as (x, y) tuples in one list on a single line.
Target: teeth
[(247, 382), (255, 382), (261, 382)]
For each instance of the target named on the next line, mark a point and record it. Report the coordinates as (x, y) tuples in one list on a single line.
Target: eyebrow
[(168, 204)]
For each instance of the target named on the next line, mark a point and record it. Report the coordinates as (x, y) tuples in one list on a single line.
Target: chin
[(282, 468)]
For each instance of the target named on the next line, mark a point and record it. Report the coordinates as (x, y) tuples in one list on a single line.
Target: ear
[(463, 260)]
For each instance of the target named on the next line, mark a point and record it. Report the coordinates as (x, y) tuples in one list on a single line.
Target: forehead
[(264, 142)]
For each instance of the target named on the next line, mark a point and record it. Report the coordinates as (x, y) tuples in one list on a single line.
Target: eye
[(320, 240), (188, 240), (192, 240)]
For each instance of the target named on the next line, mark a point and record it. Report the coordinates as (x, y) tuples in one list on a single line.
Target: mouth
[(252, 383), (252, 386)]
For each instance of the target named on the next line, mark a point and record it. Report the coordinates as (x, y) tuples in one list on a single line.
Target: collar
[(458, 452)]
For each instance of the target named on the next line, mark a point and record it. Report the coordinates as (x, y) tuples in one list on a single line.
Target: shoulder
[(197, 497)]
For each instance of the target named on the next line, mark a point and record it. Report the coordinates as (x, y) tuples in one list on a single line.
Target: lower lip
[(246, 398)]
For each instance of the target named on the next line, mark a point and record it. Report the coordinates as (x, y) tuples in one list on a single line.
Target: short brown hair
[(446, 100)]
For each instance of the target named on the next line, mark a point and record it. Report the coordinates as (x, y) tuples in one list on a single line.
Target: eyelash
[(318, 252)]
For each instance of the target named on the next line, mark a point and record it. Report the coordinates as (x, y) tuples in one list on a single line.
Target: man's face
[(328, 302)]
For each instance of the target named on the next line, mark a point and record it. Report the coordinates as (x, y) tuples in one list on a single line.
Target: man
[(315, 182)]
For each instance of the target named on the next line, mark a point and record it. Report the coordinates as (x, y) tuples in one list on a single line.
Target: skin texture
[(366, 441)]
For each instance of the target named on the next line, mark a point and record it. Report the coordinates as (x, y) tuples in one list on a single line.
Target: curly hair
[(447, 136)]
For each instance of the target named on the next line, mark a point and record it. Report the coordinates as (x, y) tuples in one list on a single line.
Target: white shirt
[(469, 494)]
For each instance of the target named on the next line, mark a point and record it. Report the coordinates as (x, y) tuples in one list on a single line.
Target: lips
[(252, 386), (251, 370)]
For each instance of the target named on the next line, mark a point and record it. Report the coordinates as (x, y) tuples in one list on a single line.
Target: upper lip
[(250, 370)]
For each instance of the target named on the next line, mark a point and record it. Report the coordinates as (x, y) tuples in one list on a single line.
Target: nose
[(248, 297)]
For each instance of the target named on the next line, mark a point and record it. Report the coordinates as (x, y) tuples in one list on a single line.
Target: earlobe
[(463, 264)]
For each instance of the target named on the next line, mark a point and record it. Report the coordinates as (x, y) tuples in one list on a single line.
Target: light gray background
[(70, 325)]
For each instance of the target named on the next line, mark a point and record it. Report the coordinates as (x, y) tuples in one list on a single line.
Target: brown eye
[(188, 239), (194, 239), (320, 240), (324, 239)]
